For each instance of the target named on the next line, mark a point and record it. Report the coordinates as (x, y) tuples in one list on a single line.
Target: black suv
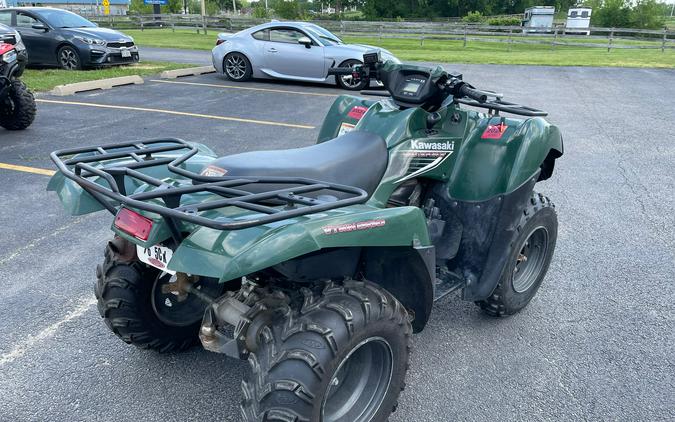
[(17, 105)]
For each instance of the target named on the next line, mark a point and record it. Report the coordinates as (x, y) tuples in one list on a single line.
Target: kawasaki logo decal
[(432, 146)]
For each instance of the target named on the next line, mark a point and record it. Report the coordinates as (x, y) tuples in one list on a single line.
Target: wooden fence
[(609, 38)]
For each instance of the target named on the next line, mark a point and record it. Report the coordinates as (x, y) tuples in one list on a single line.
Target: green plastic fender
[(339, 113), (486, 167), (229, 255)]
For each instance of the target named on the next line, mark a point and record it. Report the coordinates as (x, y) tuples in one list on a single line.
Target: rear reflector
[(133, 223)]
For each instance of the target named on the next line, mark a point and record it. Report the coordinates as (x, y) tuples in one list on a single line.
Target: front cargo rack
[(269, 206)]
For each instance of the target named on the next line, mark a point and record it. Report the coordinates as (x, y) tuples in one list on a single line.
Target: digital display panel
[(411, 87)]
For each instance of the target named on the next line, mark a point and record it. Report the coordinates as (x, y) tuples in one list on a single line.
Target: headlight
[(9, 57), (91, 41)]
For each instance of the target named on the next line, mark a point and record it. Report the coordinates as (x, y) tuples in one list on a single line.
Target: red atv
[(17, 105)]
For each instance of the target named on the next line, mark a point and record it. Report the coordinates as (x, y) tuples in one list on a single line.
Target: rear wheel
[(347, 81), (531, 253), (342, 357), (18, 110), (68, 58), (237, 67), (136, 306)]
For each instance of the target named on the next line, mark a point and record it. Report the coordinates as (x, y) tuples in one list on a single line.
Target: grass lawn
[(46, 79), (453, 51)]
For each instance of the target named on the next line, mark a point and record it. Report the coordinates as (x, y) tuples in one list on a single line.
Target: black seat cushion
[(355, 159)]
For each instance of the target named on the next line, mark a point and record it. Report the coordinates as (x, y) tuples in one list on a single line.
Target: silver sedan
[(299, 51)]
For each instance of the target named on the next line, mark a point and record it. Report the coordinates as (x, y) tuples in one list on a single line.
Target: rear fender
[(228, 255)]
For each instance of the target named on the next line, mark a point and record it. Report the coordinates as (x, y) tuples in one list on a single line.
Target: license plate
[(126, 53), (155, 256)]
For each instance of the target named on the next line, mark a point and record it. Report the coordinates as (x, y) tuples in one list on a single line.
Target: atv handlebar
[(445, 84)]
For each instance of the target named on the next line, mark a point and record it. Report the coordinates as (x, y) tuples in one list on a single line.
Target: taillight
[(5, 47), (219, 41), (133, 223)]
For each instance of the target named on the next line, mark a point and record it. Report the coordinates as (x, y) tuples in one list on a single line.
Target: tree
[(612, 14), (647, 14)]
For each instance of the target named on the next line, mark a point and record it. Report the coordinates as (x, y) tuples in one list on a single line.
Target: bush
[(505, 21), (473, 17)]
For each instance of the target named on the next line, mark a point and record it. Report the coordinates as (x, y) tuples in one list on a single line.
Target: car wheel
[(347, 81), (68, 58), (237, 67)]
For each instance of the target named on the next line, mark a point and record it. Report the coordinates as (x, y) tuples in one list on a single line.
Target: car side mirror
[(39, 26), (305, 41)]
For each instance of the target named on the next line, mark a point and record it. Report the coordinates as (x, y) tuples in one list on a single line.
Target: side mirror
[(39, 26), (305, 41)]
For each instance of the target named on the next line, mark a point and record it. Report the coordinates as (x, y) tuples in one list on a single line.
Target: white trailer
[(578, 20), (538, 19)]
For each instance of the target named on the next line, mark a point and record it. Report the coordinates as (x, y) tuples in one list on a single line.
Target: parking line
[(176, 113), (27, 169), (282, 91), (23, 346)]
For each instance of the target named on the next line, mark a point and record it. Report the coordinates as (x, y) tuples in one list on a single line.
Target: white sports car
[(299, 51)]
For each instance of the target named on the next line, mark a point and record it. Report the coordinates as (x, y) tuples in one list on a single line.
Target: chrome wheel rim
[(349, 80), (360, 384), (530, 260), (68, 59), (235, 66)]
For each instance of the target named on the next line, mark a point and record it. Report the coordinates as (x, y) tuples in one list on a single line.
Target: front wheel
[(347, 81), (17, 112), (342, 357), (68, 58), (531, 252)]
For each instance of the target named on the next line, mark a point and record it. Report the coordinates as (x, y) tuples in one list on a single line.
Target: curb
[(190, 71), (69, 89)]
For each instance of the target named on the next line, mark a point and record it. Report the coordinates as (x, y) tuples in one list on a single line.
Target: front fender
[(487, 167), (232, 254), (345, 113)]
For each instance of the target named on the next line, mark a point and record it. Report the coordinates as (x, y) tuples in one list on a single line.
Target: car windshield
[(325, 35), (65, 19)]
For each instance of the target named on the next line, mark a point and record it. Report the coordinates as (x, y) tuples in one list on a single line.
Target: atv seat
[(354, 159)]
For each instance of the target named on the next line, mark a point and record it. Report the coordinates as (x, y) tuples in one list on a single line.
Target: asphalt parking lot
[(597, 343)]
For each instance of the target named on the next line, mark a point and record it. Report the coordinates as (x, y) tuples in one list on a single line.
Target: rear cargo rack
[(270, 206)]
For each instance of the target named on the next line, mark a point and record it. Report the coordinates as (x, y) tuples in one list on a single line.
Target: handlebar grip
[(340, 71), (467, 91)]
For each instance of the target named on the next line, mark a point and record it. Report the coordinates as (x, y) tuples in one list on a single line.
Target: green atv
[(317, 264)]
